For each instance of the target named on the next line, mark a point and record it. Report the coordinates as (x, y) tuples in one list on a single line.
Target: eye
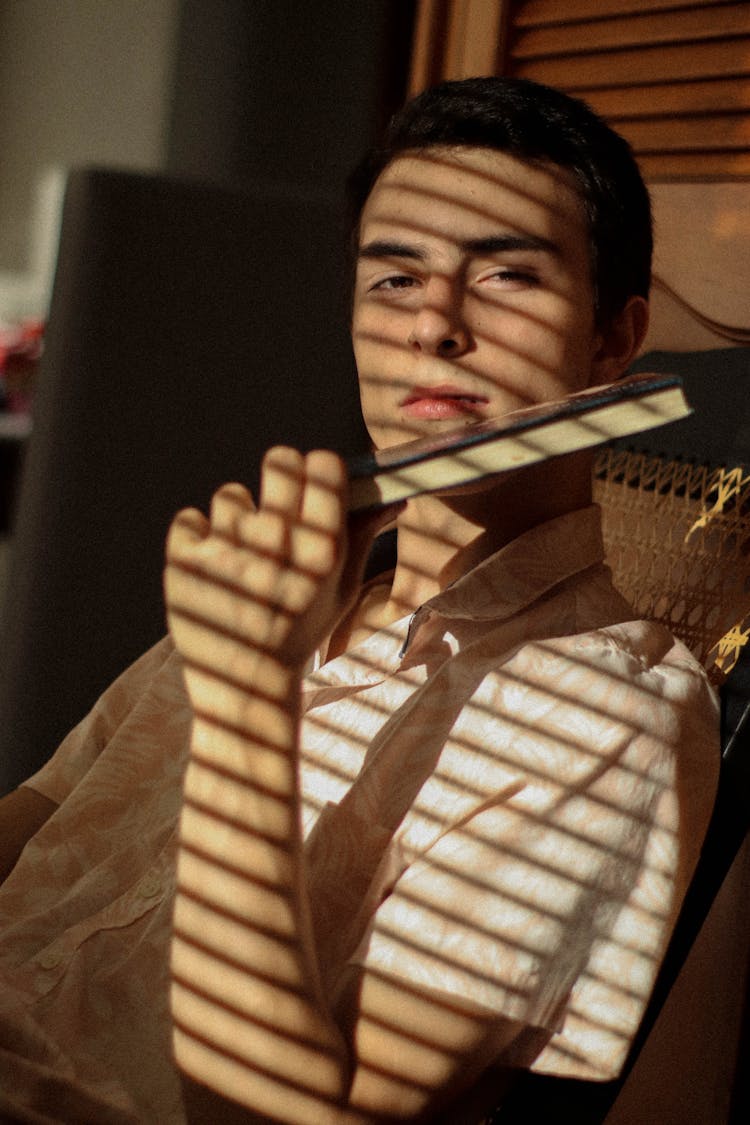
[(394, 281), (512, 276)]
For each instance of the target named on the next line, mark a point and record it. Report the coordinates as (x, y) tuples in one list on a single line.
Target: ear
[(620, 341)]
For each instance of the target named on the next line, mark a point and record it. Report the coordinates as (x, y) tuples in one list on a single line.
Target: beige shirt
[(503, 799)]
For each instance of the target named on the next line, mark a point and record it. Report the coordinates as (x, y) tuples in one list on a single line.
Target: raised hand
[(271, 580)]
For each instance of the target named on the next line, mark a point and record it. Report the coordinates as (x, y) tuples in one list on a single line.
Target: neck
[(441, 538)]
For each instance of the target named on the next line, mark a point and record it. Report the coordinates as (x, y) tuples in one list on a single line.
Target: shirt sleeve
[(82, 747), (553, 906), (36, 1075)]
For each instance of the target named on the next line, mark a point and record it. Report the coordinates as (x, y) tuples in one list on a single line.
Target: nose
[(439, 327)]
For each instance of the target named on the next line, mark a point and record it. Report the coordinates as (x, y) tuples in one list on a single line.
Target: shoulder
[(150, 686), (632, 675), (638, 671), (648, 654)]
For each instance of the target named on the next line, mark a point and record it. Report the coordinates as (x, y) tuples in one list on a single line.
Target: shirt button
[(150, 885), (50, 958)]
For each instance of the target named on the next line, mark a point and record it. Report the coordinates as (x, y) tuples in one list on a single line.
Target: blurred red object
[(21, 348)]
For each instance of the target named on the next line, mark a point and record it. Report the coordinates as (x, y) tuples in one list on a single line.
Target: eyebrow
[(491, 244)]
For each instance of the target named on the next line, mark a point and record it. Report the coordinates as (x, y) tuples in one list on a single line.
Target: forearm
[(249, 1015), (250, 595), (254, 1034), (253, 1031)]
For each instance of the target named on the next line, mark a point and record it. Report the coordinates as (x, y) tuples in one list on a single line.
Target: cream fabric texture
[(503, 800)]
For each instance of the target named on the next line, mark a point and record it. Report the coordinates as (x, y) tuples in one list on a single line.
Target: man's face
[(473, 293)]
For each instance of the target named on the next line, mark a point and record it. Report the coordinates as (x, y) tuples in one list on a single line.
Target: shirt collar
[(525, 569), (503, 584)]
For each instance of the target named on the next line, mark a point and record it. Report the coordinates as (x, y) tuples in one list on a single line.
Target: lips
[(446, 401)]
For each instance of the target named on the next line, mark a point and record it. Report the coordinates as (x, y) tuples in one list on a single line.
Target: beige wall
[(81, 81)]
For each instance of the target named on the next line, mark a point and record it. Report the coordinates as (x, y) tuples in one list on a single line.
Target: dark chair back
[(191, 327)]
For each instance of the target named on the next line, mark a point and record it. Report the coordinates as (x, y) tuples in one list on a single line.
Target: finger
[(325, 485), (187, 528), (314, 552), (265, 537), (317, 538), (282, 480), (229, 504)]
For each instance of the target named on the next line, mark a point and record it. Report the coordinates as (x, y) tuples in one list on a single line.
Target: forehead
[(459, 194)]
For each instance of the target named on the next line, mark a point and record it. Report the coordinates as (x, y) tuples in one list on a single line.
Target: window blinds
[(674, 78)]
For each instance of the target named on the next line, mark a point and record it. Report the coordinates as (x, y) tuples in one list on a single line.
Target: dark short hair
[(537, 124)]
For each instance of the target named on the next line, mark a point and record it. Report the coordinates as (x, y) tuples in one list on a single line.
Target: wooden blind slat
[(682, 134), (670, 98), (630, 67), (533, 13), (639, 30), (696, 166)]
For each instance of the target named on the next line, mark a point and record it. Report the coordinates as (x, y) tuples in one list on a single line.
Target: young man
[(432, 828)]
